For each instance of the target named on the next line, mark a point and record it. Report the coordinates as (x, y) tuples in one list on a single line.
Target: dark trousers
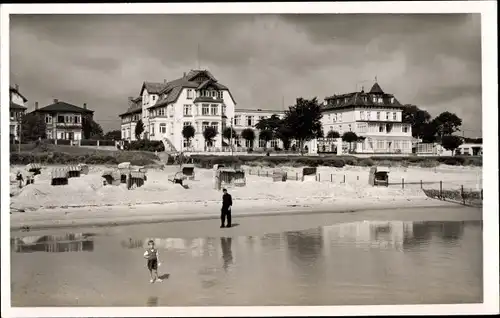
[(225, 213)]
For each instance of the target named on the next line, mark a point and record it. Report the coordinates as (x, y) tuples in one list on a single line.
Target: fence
[(453, 191)]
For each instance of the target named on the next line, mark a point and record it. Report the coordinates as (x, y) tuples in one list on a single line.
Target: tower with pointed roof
[(375, 116)]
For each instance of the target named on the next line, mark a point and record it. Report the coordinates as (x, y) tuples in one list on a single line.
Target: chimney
[(36, 105), (56, 100), (17, 87), (84, 105)]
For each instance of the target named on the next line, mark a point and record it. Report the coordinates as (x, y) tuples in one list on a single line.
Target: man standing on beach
[(227, 203)]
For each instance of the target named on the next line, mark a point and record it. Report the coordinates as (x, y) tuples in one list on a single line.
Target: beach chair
[(59, 176), (136, 178), (111, 177), (84, 169), (177, 178), (74, 171), (188, 171), (35, 168)]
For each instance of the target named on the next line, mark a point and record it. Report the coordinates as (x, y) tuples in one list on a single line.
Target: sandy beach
[(86, 199)]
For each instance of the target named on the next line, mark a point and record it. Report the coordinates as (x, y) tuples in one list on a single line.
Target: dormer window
[(220, 94), (380, 100), (374, 99), (392, 100)]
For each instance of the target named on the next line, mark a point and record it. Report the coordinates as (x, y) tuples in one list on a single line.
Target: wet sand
[(274, 260)]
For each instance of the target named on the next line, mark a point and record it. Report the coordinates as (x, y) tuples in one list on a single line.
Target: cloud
[(433, 61)]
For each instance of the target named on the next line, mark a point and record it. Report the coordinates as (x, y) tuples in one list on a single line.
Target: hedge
[(58, 157), (145, 145), (207, 161)]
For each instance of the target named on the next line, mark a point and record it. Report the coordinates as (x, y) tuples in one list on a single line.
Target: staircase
[(169, 146)]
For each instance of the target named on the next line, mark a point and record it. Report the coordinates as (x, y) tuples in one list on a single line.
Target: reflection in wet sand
[(79, 242), (375, 262)]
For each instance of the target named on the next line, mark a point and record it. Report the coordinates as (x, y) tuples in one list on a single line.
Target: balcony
[(69, 125), (206, 99)]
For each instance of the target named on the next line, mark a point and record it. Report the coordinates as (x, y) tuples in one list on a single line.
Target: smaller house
[(64, 121), (470, 149), (17, 110)]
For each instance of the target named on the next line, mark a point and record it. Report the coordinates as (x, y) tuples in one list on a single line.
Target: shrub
[(368, 162), (145, 145), (63, 142), (88, 142)]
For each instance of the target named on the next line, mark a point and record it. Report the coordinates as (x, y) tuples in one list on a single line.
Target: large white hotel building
[(196, 99)]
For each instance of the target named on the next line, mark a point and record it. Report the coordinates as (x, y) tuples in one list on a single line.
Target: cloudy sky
[(433, 61)]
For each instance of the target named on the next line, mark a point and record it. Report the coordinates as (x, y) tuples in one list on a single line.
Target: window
[(185, 143), (340, 117), (224, 109), (214, 109), (161, 111), (187, 110), (205, 109), (394, 116), (189, 94), (380, 100), (262, 143), (381, 128), (163, 128), (388, 128), (378, 115), (368, 115), (349, 127), (215, 126), (405, 129), (48, 119), (406, 144), (237, 120), (380, 144), (220, 94), (274, 143), (362, 115), (61, 135), (60, 119), (392, 100), (250, 121), (12, 115), (374, 99), (152, 129), (387, 114), (153, 97), (396, 144), (335, 117), (204, 125), (187, 123)]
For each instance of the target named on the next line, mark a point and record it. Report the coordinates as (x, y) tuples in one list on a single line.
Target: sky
[(429, 60)]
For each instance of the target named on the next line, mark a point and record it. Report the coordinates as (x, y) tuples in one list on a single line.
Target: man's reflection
[(227, 254)]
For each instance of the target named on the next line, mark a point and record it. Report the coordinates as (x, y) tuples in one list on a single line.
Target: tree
[(304, 119), (249, 135), (272, 123), (266, 135), (113, 135), (91, 129), (350, 137), (333, 134), (451, 142), (429, 132), (285, 134), (418, 118), (447, 123), (33, 127), (229, 133), (139, 129), (188, 133), (209, 134)]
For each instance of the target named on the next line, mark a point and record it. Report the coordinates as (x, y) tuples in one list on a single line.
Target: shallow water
[(367, 262)]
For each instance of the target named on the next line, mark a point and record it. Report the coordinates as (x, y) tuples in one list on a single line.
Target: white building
[(196, 99), (248, 118), (17, 110), (470, 149), (375, 115)]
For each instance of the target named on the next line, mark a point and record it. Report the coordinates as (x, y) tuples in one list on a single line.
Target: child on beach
[(151, 254)]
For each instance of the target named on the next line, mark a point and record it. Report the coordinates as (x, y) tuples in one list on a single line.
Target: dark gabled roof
[(194, 73), (135, 106), (153, 88), (360, 99), (17, 106), (15, 90), (63, 107), (376, 89)]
